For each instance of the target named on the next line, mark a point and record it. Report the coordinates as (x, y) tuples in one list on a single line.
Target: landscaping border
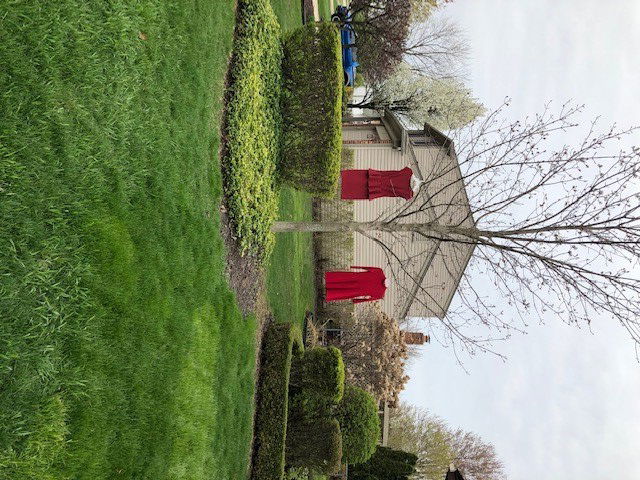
[(270, 424)]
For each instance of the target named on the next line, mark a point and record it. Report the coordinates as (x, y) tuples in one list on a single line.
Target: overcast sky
[(567, 401)]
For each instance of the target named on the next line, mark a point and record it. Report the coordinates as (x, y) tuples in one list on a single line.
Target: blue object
[(348, 41)]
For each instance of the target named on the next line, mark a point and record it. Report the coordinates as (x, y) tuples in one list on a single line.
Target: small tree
[(359, 423), (374, 352)]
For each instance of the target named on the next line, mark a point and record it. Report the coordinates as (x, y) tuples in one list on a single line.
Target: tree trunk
[(424, 228)]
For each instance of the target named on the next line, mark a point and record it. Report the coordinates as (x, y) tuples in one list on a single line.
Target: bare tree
[(434, 47), (437, 48), (552, 231)]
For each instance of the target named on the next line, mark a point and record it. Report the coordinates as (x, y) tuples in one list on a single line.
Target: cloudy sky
[(567, 401)]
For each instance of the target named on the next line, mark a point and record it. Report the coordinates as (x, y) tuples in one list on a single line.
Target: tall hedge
[(312, 109), (272, 403), (359, 423), (316, 445), (385, 464), (318, 375)]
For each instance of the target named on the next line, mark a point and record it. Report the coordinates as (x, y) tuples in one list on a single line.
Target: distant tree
[(374, 353), (422, 9), (437, 446), (424, 435), (437, 48), (382, 28), (445, 104)]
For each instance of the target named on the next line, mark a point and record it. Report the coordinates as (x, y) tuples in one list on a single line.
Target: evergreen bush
[(312, 109)]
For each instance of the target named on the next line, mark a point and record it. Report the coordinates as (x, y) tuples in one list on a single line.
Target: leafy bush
[(316, 445), (312, 109), (385, 464), (360, 425), (253, 126), (318, 377), (271, 405)]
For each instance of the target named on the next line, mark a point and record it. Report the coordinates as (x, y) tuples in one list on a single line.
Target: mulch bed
[(245, 273)]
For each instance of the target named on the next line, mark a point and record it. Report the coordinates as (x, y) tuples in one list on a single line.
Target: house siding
[(439, 264)]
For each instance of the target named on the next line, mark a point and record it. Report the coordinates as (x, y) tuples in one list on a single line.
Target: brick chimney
[(415, 338)]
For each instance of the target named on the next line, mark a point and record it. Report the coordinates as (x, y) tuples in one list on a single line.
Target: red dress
[(370, 184), (357, 286)]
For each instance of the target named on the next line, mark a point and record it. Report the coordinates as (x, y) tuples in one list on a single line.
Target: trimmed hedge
[(385, 464), (360, 425), (253, 127), (272, 403), (316, 445), (312, 109), (318, 376)]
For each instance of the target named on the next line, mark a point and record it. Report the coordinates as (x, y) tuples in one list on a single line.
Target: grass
[(272, 403), (253, 126), (324, 8), (290, 279), (123, 353), (288, 12)]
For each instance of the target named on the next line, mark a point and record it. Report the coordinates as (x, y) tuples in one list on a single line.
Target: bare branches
[(553, 230), (437, 48)]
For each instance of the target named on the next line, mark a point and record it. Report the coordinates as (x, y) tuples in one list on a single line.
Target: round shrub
[(318, 376), (359, 423), (316, 445)]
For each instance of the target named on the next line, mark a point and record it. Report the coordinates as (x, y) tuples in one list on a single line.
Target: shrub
[(386, 464), (253, 126), (360, 425), (316, 445), (318, 377), (272, 403), (312, 109)]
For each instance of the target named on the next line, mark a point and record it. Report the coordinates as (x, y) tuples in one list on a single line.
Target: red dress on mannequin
[(356, 286), (370, 184)]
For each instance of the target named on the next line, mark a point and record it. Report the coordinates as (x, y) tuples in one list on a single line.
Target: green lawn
[(290, 279), (324, 7), (122, 351)]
